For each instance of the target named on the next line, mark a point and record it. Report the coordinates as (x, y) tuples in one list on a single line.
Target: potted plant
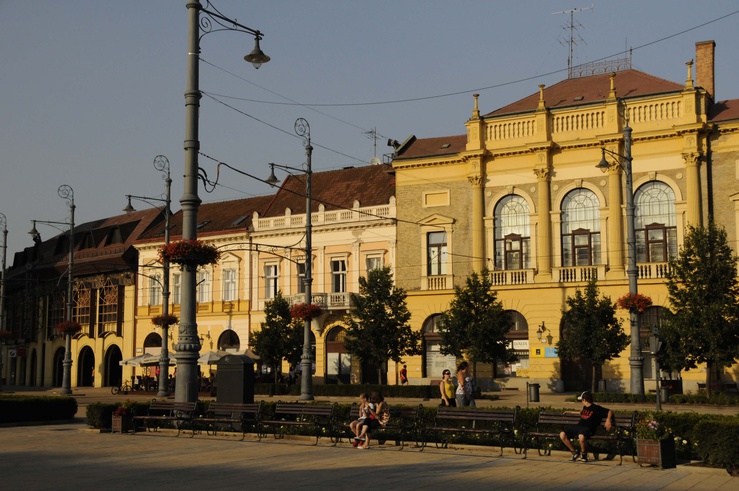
[(305, 311), (5, 335), (189, 253), (636, 301), (164, 320), (654, 443), (68, 327), (122, 419)]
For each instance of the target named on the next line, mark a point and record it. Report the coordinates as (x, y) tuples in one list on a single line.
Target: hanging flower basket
[(190, 253), (305, 311), (69, 327), (164, 320), (636, 301), (5, 335)]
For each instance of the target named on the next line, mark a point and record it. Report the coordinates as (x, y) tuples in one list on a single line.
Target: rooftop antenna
[(572, 27), (374, 136)]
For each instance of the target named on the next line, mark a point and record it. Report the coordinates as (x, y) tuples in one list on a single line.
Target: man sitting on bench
[(590, 418)]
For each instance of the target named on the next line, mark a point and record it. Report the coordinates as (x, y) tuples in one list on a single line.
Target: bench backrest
[(622, 419), (248, 411), (398, 414), (168, 408), (304, 412), (477, 417)]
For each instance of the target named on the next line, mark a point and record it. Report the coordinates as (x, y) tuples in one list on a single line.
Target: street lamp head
[(257, 56), (129, 208), (603, 165), (272, 179), (33, 232)]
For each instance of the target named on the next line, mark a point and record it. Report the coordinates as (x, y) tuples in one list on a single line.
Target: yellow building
[(520, 194)]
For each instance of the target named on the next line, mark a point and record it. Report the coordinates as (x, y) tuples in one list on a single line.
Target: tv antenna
[(572, 41), (374, 136)]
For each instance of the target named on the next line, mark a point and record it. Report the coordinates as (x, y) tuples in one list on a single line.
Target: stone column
[(543, 261), (616, 222), (478, 223), (692, 180)]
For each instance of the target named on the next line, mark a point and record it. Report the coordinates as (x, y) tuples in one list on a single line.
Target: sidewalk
[(73, 457)]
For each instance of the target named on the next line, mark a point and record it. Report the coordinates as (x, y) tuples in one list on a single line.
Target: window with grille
[(82, 305), (581, 229), (176, 288), (155, 289), (338, 275), (229, 285), (373, 262), (436, 251), (270, 281), (203, 286), (56, 311), (300, 267), (108, 306), (655, 222), (512, 233)]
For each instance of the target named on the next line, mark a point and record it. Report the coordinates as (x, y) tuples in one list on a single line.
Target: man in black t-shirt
[(590, 418)]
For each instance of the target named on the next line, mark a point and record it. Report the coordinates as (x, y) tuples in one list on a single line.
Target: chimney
[(704, 72)]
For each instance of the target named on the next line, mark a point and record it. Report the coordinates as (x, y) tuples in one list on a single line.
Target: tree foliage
[(475, 325), (591, 330), (377, 328), (703, 323), (276, 340)]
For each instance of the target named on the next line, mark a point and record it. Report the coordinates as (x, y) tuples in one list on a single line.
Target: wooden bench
[(231, 416), (550, 424), (404, 422), (492, 423), (166, 413), (320, 418)]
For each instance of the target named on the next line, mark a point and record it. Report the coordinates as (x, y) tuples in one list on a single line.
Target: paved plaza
[(73, 457)]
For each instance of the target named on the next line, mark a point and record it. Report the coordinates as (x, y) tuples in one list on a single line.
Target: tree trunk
[(709, 377), (594, 381)]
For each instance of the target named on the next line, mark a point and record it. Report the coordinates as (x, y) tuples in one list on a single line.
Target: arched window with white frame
[(655, 222), (512, 233), (581, 241)]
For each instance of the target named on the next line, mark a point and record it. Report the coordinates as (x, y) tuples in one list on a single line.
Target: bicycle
[(125, 387)]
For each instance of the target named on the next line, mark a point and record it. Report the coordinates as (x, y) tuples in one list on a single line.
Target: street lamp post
[(188, 342), (636, 360), (4, 225), (66, 193), (302, 129), (161, 163)]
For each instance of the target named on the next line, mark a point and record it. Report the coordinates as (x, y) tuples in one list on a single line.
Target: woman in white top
[(465, 391)]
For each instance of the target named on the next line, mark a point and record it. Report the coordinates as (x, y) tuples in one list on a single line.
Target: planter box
[(660, 453), (122, 424)]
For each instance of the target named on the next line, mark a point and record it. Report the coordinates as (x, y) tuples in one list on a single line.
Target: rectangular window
[(301, 277), (270, 281), (176, 289), (155, 289), (436, 253), (374, 262), (229, 285), (203, 287), (338, 276)]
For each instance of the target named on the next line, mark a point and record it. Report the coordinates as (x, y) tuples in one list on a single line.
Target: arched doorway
[(338, 361), (229, 341), (113, 375), (434, 363), (86, 368), (56, 380)]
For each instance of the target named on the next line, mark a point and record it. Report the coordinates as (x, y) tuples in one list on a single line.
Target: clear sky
[(92, 90)]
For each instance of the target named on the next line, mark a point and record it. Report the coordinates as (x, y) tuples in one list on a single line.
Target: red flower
[(189, 253), (162, 320), (305, 311), (5, 335), (636, 301), (68, 327)]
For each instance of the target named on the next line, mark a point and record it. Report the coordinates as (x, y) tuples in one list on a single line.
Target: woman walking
[(465, 386)]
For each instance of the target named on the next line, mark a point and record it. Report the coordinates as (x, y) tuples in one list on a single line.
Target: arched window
[(580, 229), (338, 360), (512, 233), (655, 222), (229, 341)]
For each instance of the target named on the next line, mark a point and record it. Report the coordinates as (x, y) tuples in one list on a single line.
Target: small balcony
[(578, 274), (512, 277), (329, 301), (441, 282)]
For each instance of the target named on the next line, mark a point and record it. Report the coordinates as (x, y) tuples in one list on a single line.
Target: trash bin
[(664, 395), (534, 392), (235, 379), (602, 385)]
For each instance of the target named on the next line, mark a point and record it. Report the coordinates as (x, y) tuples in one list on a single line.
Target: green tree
[(591, 330), (377, 328), (475, 325), (273, 340), (703, 323)]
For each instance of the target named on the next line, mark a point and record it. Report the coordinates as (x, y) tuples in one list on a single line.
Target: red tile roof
[(724, 111), (337, 189), (584, 90), (434, 147)]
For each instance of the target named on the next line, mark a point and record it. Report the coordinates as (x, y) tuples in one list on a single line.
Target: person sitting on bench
[(590, 417)]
